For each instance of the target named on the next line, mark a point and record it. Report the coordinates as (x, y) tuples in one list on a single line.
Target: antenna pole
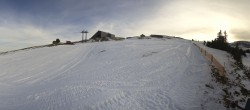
[(82, 35), (86, 32)]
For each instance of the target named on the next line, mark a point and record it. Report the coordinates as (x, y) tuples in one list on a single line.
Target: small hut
[(103, 36)]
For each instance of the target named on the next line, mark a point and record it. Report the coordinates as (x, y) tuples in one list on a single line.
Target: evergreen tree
[(221, 43), (219, 33), (236, 53), (221, 38), (225, 36)]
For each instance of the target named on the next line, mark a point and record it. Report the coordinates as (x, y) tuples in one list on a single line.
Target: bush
[(56, 42), (142, 35), (69, 42), (247, 51), (247, 72)]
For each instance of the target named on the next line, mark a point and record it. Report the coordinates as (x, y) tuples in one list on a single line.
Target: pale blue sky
[(35, 22)]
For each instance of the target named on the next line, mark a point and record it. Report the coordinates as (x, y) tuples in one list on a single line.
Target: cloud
[(241, 34), (34, 22), (202, 18), (16, 35), (186, 18)]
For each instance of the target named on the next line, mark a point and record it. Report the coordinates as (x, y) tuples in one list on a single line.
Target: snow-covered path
[(130, 74)]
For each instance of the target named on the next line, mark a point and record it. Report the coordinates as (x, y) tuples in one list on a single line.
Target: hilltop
[(131, 74), (242, 44)]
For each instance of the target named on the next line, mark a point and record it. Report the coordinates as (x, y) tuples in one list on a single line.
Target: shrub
[(247, 51), (56, 42), (142, 35)]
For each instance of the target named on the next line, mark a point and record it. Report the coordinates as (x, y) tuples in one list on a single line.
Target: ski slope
[(145, 74)]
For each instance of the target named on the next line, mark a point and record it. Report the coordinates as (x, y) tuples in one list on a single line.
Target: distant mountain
[(242, 44)]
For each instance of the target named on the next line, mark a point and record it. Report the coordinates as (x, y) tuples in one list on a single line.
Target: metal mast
[(82, 34), (86, 32)]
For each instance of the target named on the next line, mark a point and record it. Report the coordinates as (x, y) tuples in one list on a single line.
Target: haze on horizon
[(35, 22)]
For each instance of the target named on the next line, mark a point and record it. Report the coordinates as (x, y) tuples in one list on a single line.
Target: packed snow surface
[(132, 75)]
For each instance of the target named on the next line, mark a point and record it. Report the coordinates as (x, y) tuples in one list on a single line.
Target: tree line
[(221, 43)]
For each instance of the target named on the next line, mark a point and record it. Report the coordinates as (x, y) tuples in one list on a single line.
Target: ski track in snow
[(131, 74)]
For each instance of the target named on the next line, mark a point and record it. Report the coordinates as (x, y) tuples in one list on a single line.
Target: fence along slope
[(212, 60)]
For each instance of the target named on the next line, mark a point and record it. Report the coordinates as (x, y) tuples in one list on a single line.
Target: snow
[(246, 60), (236, 77), (223, 57), (143, 74)]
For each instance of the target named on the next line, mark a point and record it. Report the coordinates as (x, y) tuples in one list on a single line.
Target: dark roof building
[(103, 36), (157, 36)]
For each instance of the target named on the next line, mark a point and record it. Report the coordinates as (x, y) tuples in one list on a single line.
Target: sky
[(25, 23)]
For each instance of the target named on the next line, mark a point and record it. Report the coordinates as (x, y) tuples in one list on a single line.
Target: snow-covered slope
[(245, 45), (131, 74), (223, 57), (242, 44), (246, 60), (237, 77)]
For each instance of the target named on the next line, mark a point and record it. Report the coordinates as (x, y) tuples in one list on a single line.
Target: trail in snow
[(131, 74)]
